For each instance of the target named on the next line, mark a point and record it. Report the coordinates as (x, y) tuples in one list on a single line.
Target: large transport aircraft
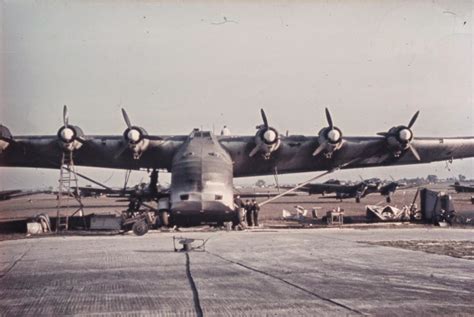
[(203, 165)]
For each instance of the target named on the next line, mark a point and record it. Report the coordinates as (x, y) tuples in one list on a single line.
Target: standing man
[(239, 207), (248, 212), (255, 210)]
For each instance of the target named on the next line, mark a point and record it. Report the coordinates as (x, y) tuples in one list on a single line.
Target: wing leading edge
[(295, 154)]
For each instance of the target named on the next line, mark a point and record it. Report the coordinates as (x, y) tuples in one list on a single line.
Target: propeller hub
[(405, 135), (269, 136), (334, 135), (133, 135), (67, 134)]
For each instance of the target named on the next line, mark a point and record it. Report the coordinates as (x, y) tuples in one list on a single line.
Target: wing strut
[(89, 179), (307, 182), (275, 174)]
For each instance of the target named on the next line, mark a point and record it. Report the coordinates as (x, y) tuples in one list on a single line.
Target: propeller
[(264, 118), (70, 137), (136, 137), (400, 138), (330, 138), (267, 138)]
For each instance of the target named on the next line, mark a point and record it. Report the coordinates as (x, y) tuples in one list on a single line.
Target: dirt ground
[(270, 214), (457, 249)]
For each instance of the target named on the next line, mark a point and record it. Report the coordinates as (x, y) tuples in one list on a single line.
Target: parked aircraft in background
[(358, 190), (17, 193), (463, 188)]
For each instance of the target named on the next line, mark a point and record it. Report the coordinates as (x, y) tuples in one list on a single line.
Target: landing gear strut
[(165, 218)]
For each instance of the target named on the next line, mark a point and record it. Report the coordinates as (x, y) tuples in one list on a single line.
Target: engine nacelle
[(70, 137), (137, 141), (267, 141), (329, 138), (399, 139), (5, 138)]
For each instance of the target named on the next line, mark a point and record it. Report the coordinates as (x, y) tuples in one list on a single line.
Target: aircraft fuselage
[(201, 189)]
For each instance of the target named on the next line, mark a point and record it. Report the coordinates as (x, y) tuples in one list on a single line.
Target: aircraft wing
[(96, 151), (295, 154), (290, 154), (313, 188)]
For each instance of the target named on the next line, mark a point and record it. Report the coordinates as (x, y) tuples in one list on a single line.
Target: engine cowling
[(70, 137), (5, 138), (329, 138), (136, 139), (399, 139), (267, 139)]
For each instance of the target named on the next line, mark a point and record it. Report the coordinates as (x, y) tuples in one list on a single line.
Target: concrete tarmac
[(249, 273)]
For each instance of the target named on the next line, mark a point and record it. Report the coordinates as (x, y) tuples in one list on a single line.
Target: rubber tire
[(357, 199), (140, 228)]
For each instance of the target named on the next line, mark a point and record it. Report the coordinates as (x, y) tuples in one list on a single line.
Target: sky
[(177, 65)]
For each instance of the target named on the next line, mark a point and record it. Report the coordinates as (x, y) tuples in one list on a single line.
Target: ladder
[(67, 192)]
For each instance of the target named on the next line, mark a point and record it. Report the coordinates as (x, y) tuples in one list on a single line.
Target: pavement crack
[(197, 303), (288, 283), (2, 275)]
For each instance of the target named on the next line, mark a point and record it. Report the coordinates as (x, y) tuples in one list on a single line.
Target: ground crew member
[(239, 207), (248, 212), (255, 208)]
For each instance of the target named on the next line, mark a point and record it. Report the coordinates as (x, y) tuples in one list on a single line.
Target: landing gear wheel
[(165, 218), (389, 199), (140, 228), (357, 199)]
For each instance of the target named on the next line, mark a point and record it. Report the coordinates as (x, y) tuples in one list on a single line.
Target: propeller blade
[(264, 117), (414, 151), (382, 133), (65, 116), (413, 119), (328, 117), (254, 151), (320, 148), (126, 118)]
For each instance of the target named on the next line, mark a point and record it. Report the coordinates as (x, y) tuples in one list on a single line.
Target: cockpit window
[(184, 197), (218, 197), (201, 134)]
